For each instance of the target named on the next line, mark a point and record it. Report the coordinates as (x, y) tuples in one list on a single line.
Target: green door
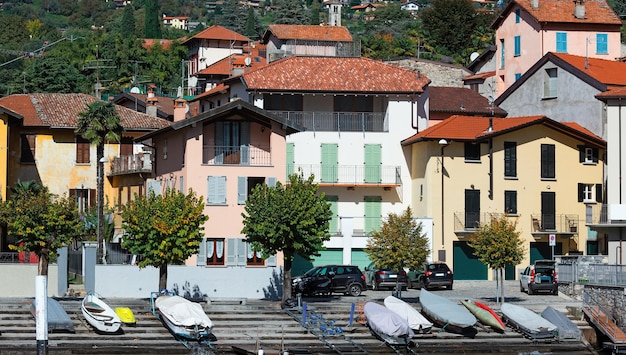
[(543, 251), (466, 264), (509, 272), (290, 159), (330, 256), (329, 162), (373, 161), (373, 213), (299, 266), (360, 259), (333, 227)]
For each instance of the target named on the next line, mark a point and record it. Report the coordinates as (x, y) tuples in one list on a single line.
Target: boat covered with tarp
[(528, 322), (566, 328)]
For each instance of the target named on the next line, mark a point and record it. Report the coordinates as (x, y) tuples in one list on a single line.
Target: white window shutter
[(242, 190), (242, 253), (271, 181), (271, 261), (201, 253), (231, 257)]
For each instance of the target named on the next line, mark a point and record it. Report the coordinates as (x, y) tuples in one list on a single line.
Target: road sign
[(552, 239)]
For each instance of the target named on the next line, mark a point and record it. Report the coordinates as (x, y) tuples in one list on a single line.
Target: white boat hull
[(415, 319), (184, 319), (99, 315)]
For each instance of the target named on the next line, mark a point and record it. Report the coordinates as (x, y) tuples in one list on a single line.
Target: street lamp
[(100, 187), (442, 143)]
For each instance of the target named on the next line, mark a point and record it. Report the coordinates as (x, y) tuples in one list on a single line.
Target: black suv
[(379, 278), (324, 280), (432, 275)]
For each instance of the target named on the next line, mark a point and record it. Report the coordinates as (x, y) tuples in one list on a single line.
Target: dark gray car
[(432, 275), (327, 279)]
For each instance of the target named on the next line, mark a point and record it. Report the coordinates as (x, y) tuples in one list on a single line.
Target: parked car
[(379, 278), (539, 276), (436, 274), (327, 279)]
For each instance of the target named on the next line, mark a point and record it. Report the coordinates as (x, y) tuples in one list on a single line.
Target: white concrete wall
[(18, 280)]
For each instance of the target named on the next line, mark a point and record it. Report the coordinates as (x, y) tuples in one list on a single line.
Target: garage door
[(466, 264), (329, 256), (360, 258), (543, 251)]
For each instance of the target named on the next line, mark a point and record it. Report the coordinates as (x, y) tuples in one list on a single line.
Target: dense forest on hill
[(69, 45)]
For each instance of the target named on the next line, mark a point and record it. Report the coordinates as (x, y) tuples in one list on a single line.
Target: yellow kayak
[(126, 315)]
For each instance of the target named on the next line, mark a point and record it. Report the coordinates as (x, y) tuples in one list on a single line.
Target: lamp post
[(442, 143), (100, 192)]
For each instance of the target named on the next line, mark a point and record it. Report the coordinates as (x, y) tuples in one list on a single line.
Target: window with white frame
[(550, 83), (588, 155), (589, 193)]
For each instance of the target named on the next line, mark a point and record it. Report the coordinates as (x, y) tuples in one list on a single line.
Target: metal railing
[(554, 223), (471, 221), (9, 257), (298, 47), (599, 314), (236, 155), (130, 164), (349, 174), (337, 121)]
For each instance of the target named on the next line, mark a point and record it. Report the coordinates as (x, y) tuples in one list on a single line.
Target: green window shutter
[(329, 162), (290, 158), (373, 213), (242, 190), (373, 161), (201, 258), (333, 227)]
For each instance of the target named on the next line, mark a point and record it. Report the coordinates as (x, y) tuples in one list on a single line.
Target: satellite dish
[(134, 90), (473, 56), (248, 61), (193, 81)]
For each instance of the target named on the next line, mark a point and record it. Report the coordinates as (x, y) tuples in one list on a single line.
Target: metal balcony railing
[(337, 121), (236, 155), (554, 223), (471, 221), (350, 174), (131, 164)]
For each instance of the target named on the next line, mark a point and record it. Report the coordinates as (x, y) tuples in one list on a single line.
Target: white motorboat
[(186, 320), (100, 315)]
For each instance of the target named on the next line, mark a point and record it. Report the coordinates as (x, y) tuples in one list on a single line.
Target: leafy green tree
[(231, 15), (127, 23), (152, 23), (291, 218), (315, 12), (40, 222), (290, 12), (163, 229), (52, 75), (100, 123), (400, 243), (252, 28), (497, 244)]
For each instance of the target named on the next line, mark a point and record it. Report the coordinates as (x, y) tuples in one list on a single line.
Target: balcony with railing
[(337, 121), (131, 164), (350, 175), (469, 222), (607, 215), (554, 224), (236, 155)]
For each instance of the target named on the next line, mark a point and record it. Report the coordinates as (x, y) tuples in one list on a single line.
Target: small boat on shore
[(449, 315), (528, 322), (126, 316), (387, 325), (186, 320), (100, 315), (485, 314), (415, 319), (567, 330), (58, 320)]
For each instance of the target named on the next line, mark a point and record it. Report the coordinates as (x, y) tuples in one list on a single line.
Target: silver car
[(540, 276)]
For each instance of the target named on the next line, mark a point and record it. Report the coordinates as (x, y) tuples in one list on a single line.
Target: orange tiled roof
[(483, 75), (562, 11), (460, 100), (148, 43), (219, 32), (225, 66), (61, 111), (613, 92), (311, 32), (218, 89), (334, 74), (608, 72), (470, 128)]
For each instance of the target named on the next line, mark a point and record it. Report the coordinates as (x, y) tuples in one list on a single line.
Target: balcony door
[(472, 209), (548, 211), (232, 142), (330, 161), (373, 156)]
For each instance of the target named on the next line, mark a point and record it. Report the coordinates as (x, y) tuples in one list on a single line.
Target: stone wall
[(440, 74), (611, 298)]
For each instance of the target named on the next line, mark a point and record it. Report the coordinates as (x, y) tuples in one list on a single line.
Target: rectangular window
[(212, 251), (472, 151), (587, 155), (518, 46), (85, 198), (561, 42), (472, 209), (245, 185), (517, 76), (517, 16), (502, 54), (510, 202), (550, 83), (216, 190), (510, 159), (27, 148), (548, 162), (602, 43), (254, 258), (589, 193), (82, 150)]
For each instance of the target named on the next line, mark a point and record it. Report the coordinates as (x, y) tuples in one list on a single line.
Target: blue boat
[(58, 320)]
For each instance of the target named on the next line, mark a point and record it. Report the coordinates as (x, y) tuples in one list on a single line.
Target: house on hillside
[(354, 112), (309, 40), (212, 45), (448, 101), (253, 57), (222, 154), (483, 68), (528, 29), (178, 22), (48, 151), (564, 87), (537, 172), (152, 104)]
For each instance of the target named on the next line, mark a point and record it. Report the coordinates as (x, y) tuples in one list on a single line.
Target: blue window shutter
[(219, 142), (602, 43), (271, 261), (231, 255), (245, 143), (242, 189), (201, 253), (561, 42), (502, 54), (216, 193), (518, 46), (242, 252), (271, 181), (517, 17), (154, 185), (517, 76), (181, 187)]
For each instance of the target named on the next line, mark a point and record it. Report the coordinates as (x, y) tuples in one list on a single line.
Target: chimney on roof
[(151, 103), (534, 4), (579, 9)]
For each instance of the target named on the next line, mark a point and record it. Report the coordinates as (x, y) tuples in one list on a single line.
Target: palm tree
[(100, 123)]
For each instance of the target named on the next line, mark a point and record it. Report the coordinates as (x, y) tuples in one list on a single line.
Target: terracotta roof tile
[(218, 89), (148, 43), (226, 65), (61, 111), (470, 128), (460, 100), (333, 74), (608, 72), (310, 32), (596, 11), (613, 92), (483, 75), (219, 32)]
